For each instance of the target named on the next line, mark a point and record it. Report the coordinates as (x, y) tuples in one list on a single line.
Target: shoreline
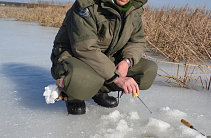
[(19, 4), (5, 3)]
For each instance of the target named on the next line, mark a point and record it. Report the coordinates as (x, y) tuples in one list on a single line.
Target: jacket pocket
[(105, 32), (58, 70), (59, 67)]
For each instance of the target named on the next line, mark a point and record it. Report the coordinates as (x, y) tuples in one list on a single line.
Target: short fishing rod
[(143, 102)]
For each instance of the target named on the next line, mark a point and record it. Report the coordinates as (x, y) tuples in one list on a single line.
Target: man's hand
[(128, 84), (122, 67)]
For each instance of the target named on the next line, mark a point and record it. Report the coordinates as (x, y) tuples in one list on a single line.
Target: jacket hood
[(85, 3), (138, 3)]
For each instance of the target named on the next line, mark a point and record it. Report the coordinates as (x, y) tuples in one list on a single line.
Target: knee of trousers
[(153, 68), (81, 81), (149, 76), (144, 73)]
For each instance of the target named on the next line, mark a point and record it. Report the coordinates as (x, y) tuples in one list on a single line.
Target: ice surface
[(25, 72)]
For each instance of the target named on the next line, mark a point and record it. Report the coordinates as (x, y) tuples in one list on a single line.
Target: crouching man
[(98, 49)]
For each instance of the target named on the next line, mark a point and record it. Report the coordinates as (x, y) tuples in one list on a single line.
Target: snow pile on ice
[(51, 93), (157, 125), (122, 126), (133, 116), (188, 132), (173, 113), (157, 128), (200, 136), (115, 125), (113, 116)]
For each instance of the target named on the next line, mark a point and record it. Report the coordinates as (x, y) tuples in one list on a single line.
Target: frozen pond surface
[(25, 72)]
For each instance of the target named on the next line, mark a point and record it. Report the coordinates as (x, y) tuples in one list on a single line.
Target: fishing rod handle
[(186, 123)]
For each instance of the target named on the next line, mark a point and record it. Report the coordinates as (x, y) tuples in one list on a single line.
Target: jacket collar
[(86, 3)]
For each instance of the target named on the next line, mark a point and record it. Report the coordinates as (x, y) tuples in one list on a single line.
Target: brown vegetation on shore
[(181, 35), (47, 14)]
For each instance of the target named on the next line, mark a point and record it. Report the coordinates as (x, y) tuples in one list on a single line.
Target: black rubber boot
[(76, 107), (103, 99)]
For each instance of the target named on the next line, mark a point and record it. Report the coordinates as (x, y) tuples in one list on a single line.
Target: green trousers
[(82, 82)]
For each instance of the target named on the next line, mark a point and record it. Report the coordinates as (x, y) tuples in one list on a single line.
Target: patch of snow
[(121, 130), (122, 126), (133, 116), (51, 93), (157, 125), (157, 128), (113, 116), (188, 132), (173, 113)]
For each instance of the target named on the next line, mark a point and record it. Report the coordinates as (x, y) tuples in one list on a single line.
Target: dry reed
[(182, 36), (179, 33), (47, 14), (184, 74)]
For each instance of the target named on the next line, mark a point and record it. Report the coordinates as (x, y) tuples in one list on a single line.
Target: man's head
[(122, 2)]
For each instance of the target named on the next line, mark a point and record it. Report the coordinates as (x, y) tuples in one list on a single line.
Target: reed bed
[(182, 36), (179, 33), (46, 13)]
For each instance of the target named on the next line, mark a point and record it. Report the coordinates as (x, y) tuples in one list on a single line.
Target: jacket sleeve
[(82, 32), (136, 45)]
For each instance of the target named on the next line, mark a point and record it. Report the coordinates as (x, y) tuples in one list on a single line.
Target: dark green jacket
[(94, 30)]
